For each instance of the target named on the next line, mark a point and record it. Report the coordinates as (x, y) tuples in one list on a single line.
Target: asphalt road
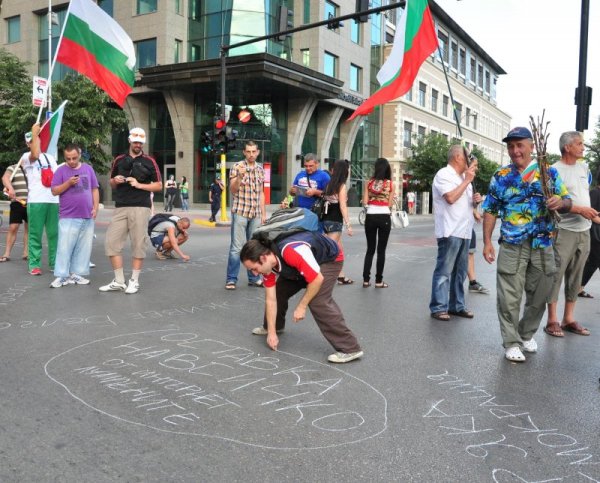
[(170, 385)]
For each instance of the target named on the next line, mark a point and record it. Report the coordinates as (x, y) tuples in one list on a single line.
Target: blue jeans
[(241, 231), (447, 286), (185, 206), (75, 237)]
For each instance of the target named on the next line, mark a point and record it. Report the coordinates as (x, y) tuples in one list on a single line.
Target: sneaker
[(342, 357), (35, 271), (160, 255), (530, 345), (132, 287), (514, 354), (92, 265), (113, 286), (78, 280), (59, 282), (263, 331), (478, 288)]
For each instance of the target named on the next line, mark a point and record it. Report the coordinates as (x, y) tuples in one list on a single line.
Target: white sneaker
[(530, 345), (92, 265), (263, 331), (78, 280), (132, 287), (60, 281), (113, 286), (514, 354), (342, 357)]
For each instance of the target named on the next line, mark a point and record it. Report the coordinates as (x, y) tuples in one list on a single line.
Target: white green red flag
[(50, 132), (414, 41), (94, 45)]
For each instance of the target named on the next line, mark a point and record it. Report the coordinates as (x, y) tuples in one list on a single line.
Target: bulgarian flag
[(51, 131), (415, 39), (94, 45)]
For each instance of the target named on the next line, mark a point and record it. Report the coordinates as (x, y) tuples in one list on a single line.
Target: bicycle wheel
[(361, 217)]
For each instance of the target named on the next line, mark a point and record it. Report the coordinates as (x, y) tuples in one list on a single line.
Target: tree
[(592, 155), (89, 120), (430, 154)]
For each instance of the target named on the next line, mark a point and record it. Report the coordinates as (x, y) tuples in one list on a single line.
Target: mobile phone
[(76, 175)]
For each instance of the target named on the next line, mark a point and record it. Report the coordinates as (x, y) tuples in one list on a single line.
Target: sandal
[(366, 284), (585, 295), (467, 314), (575, 328), (443, 316), (381, 285), (345, 281), (553, 329), (4, 259)]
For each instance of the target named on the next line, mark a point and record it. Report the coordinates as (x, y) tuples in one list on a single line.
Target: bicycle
[(362, 215)]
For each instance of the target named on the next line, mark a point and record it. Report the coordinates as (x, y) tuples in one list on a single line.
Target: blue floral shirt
[(521, 206)]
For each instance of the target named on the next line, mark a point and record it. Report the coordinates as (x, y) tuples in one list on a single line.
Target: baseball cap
[(28, 137), (518, 133), (137, 135)]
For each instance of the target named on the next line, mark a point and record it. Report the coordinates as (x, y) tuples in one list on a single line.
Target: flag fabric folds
[(50, 132), (94, 45), (415, 39)]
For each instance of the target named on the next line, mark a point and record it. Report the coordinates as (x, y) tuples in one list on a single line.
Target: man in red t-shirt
[(302, 260)]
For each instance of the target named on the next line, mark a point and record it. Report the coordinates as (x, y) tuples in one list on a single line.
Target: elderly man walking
[(453, 202), (572, 244), (526, 259)]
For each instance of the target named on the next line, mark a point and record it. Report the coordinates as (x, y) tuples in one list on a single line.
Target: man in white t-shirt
[(42, 205), (453, 202), (572, 244)]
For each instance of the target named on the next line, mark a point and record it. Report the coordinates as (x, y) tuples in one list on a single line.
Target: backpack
[(323, 248), (285, 222), (159, 218)]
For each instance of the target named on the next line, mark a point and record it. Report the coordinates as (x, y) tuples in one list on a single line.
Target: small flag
[(51, 131), (94, 45), (414, 41)]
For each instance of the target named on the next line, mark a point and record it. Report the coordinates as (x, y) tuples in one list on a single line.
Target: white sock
[(119, 275), (135, 274)]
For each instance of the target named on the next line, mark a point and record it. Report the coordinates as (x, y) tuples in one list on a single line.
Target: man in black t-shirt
[(133, 177)]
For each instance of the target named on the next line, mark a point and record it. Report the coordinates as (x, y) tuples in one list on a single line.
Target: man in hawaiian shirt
[(526, 258)]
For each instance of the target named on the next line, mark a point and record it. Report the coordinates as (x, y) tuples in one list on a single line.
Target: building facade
[(299, 89)]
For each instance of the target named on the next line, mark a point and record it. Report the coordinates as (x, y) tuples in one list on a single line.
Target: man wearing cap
[(133, 177), (42, 205), (526, 259)]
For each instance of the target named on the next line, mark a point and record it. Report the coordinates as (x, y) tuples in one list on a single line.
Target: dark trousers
[(377, 231), (323, 308), (215, 206), (593, 262)]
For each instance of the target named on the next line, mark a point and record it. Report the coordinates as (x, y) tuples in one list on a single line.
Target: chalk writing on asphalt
[(495, 428), (188, 384)]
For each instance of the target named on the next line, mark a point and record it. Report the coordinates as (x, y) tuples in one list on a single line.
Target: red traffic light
[(220, 124)]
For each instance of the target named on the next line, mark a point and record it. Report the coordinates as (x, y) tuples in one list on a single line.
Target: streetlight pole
[(583, 93)]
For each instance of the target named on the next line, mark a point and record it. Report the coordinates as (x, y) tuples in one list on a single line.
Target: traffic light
[(219, 134), (231, 135), (206, 142), (336, 24), (361, 6), (285, 21)]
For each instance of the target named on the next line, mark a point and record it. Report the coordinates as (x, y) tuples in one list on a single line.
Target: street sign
[(40, 87)]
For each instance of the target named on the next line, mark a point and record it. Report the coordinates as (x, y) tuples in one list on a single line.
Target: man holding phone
[(76, 185)]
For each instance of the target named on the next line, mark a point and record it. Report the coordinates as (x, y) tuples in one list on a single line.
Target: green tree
[(592, 155), (89, 120)]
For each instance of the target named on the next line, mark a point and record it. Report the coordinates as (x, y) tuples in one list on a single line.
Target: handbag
[(399, 219), (47, 173), (319, 207)]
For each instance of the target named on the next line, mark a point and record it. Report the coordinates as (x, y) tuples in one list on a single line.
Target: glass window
[(330, 64), (145, 52), (408, 95), (458, 108), (306, 12), (13, 27), (146, 6), (421, 133), (462, 66), (355, 77), (454, 55), (468, 117), (355, 31), (445, 106), (422, 93), (407, 135), (443, 41), (480, 75), (434, 100), (331, 10), (473, 70), (178, 6), (60, 71), (107, 6), (305, 57), (474, 115), (487, 81), (177, 53)]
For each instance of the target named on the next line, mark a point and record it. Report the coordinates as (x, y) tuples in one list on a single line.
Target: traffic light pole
[(226, 48)]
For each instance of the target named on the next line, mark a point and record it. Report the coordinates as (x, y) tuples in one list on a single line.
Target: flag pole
[(454, 111)]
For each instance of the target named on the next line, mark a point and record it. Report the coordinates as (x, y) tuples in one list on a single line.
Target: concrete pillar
[(329, 116), (348, 131), (299, 114)]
